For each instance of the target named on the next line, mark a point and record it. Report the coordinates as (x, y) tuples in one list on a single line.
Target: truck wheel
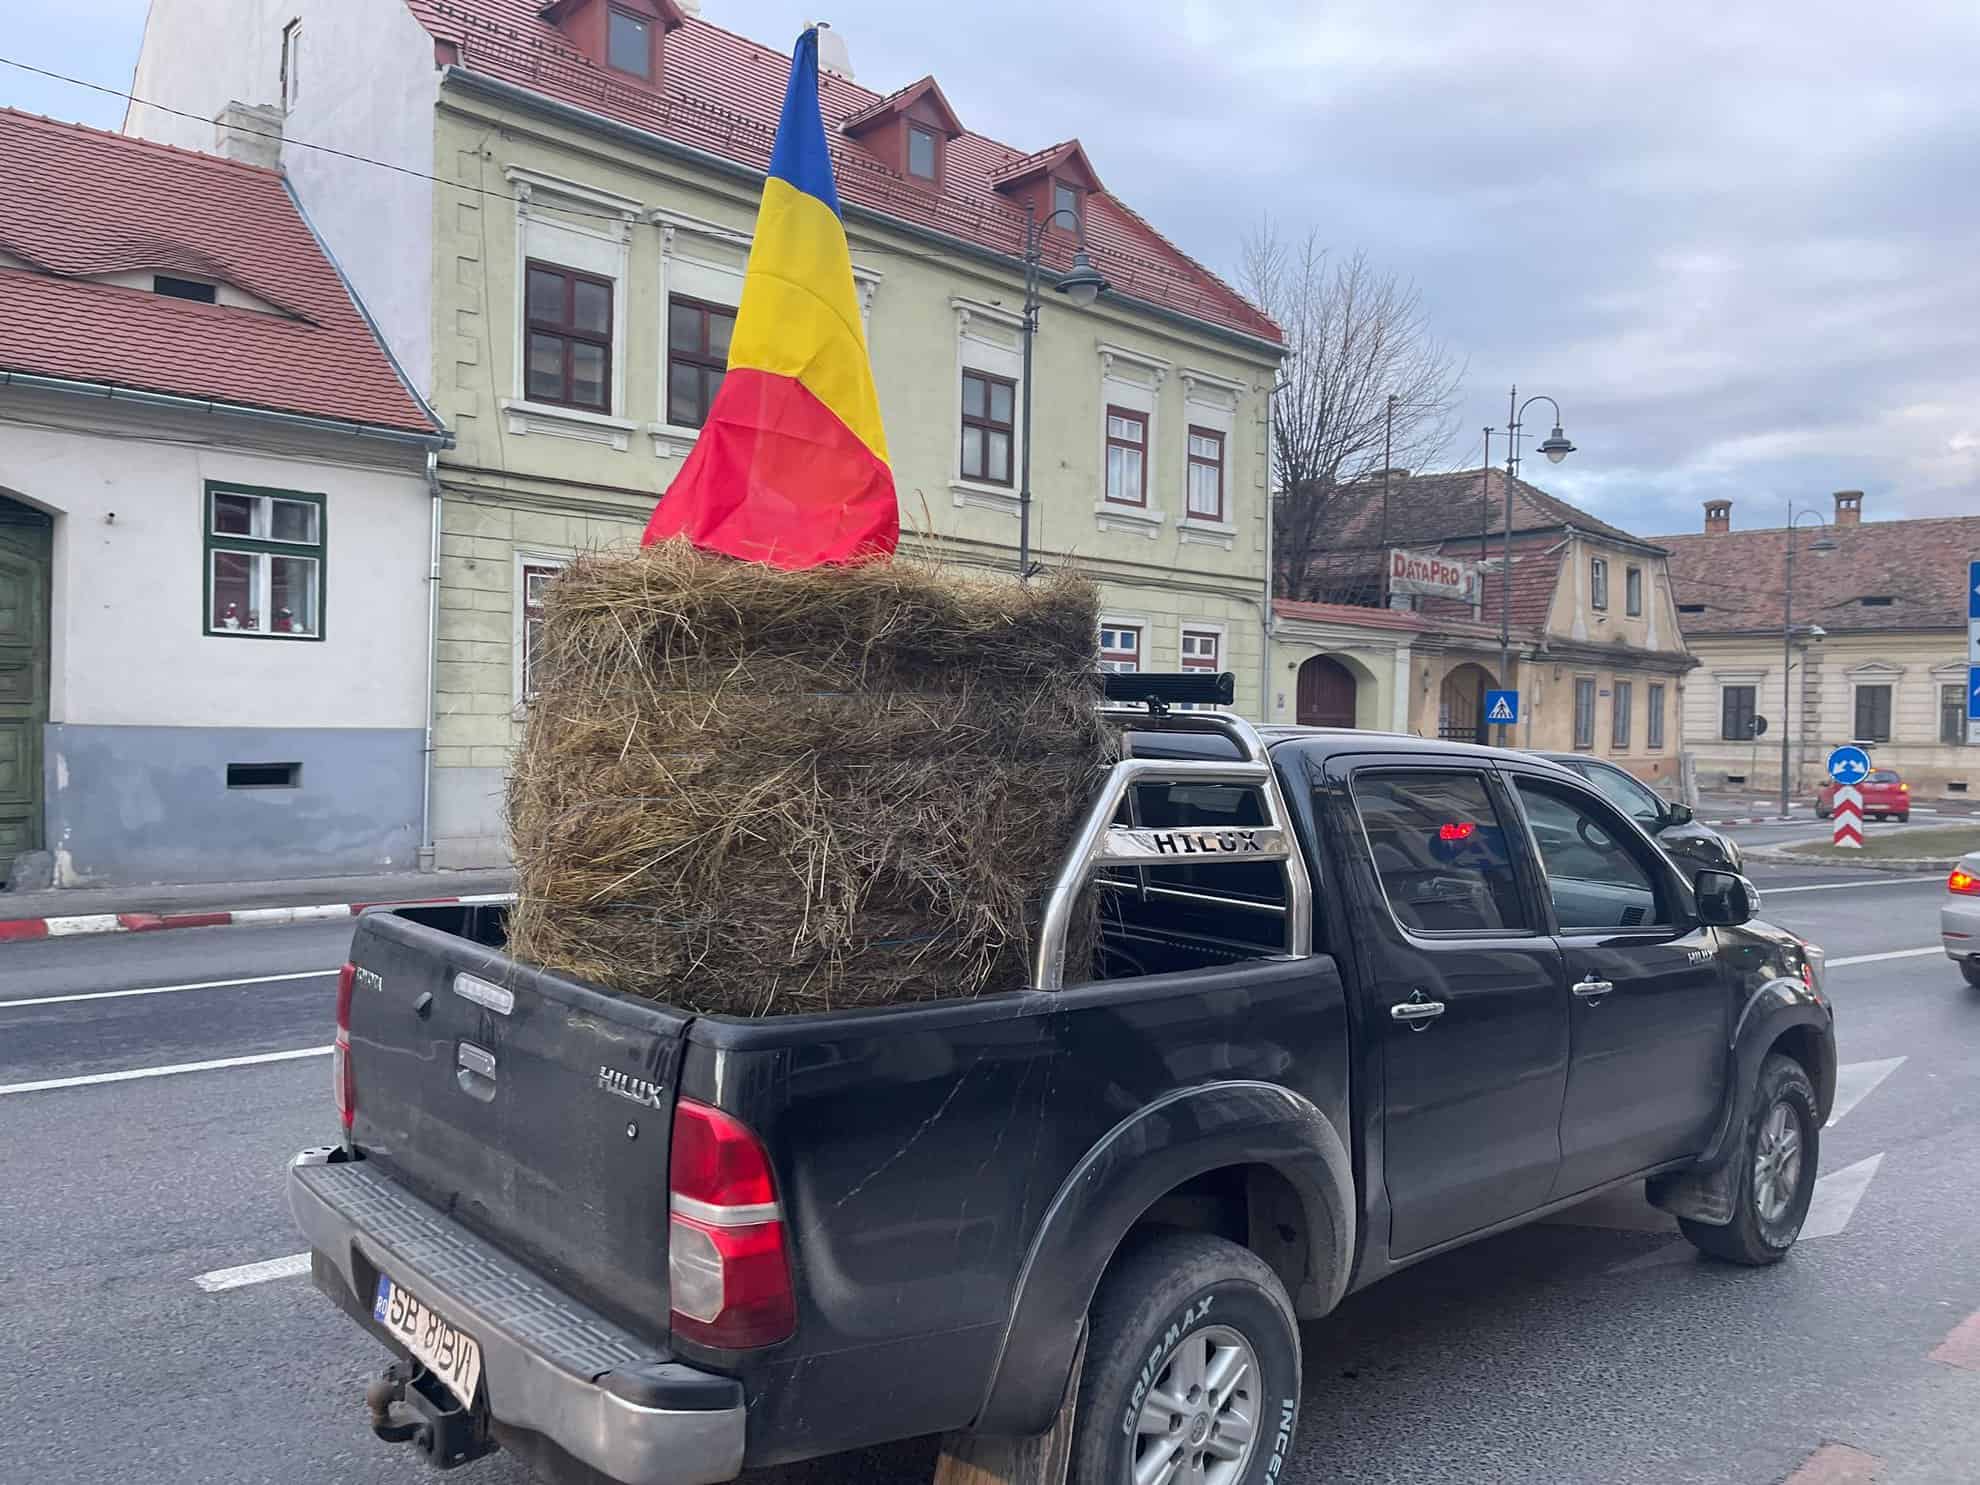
[(1774, 1177), (1971, 969), (1192, 1369)]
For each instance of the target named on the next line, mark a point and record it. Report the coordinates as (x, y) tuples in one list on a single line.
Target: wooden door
[(1326, 694), (24, 547)]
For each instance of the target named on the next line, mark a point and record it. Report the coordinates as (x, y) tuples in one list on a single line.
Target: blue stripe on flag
[(800, 156)]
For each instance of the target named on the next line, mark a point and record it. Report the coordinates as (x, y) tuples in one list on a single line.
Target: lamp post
[(1082, 284), (1820, 547), (1556, 447)]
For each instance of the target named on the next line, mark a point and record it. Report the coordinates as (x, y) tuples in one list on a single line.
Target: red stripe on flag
[(775, 477)]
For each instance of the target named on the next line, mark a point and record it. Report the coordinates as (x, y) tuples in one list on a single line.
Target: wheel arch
[(1184, 1160)]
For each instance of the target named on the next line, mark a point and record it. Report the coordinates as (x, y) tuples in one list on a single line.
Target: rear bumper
[(1959, 927), (550, 1366)]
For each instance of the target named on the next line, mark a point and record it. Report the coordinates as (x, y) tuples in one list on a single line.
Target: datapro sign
[(1433, 576)]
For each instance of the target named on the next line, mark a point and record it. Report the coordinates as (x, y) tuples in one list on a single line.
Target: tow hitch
[(409, 1405)]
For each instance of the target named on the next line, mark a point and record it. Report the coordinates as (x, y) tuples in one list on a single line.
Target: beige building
[(558, 258), (1888, 670), (1594, 646)]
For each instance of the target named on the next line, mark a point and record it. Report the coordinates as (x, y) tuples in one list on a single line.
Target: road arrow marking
[(291, 1267), (1836, 1196), (1854, 1082)]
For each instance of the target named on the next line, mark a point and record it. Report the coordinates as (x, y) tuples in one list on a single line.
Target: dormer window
[(629, 44), (184, 288), (1066, 199), (924, 150)]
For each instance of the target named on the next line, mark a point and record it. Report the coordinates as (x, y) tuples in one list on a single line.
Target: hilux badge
[(625, 1085)]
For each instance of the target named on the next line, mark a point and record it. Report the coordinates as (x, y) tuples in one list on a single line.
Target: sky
[(1739, 245)]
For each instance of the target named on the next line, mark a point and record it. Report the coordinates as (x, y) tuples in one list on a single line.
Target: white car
[(1959, 918)]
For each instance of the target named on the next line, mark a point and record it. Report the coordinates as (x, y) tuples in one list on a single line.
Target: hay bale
[(753, 792)]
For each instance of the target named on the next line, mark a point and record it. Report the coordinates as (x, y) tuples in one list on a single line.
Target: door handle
[(1417, 1012), (1592, 989)]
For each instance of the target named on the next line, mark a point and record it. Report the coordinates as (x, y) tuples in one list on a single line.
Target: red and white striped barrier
[(1848, 813), (22, 929)]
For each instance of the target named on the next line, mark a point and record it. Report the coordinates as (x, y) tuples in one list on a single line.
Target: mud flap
[(1696, 1195), (1039, 1459)]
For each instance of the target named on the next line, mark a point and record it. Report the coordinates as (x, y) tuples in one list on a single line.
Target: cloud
[(1734, 242)]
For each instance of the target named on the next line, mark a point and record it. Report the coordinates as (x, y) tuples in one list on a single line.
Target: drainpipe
[(432, 661)]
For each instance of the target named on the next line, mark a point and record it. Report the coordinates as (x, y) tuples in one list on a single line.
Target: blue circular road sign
[(1848, 764)]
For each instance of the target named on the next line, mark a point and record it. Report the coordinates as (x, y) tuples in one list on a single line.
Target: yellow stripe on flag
[(799, 315)]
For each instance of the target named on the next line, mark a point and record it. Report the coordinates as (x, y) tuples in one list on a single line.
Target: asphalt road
[(1593, 1348)]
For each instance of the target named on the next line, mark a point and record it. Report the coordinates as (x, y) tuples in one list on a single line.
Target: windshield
[(1881, 776), (1639, 800)]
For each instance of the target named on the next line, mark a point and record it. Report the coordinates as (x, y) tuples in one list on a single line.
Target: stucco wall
[(1823, 708), (127, 646), (152, 804), (365, 87)]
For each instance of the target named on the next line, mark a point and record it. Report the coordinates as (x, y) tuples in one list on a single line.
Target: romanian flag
[(791, 467)]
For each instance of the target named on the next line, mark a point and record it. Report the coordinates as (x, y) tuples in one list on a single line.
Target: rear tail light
[(1963, 882), (343, 1083), (728, 1269)]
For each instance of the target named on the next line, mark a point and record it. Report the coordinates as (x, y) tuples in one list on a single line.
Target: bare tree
[(1355, 336)]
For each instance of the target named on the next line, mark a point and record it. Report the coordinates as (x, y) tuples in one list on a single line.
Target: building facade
[(214, 531), (1591, 641), (1888, 670), (589, 214)]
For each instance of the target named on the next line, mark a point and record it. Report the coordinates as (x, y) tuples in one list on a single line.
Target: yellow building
[(1592, 642), (1887, 671)]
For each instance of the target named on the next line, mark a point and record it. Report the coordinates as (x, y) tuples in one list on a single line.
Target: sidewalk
[(212, 904)]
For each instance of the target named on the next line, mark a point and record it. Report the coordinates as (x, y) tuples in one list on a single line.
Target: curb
[(22, 930), (1784, 857)]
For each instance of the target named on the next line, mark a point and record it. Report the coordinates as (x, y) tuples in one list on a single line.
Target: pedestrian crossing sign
[(1502, 708)]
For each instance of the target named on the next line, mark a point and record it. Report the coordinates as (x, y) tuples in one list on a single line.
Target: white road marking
[(253, 1273), (1847, 886), (83, 923), (1854, 1083), (1849, 959), (307, 974), (1836, 1196), (212, 1065)]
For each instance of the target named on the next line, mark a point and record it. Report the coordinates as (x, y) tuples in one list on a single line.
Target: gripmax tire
[(1168, 1300), (1756, 1236)]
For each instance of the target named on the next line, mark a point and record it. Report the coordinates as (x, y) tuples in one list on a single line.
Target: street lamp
[(1821, 546), (1082, 284), (1556, 447)]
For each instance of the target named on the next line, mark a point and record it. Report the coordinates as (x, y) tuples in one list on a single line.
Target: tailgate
[(531, 1108)]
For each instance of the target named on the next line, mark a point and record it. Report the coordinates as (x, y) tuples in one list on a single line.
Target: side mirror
[(1678, 814), (1725, 898)]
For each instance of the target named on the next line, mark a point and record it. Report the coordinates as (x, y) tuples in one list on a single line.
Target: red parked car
[(1885, 797)]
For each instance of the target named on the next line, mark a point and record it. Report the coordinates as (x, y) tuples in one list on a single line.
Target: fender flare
[(1777, 1006), (1154, 1150)]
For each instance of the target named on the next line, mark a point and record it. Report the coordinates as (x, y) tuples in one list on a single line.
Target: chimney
[(1718, 517), (833, 58), (1849, 507), (250, 133)]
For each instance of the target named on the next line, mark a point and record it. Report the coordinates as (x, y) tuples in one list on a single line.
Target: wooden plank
[(1039, 1459)]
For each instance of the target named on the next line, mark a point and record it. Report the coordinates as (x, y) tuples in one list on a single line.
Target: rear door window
[(1440, 851), (1598, 873)]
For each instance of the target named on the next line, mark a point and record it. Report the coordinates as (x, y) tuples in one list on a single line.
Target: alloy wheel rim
[(1199, 1421), (1777, 1162)]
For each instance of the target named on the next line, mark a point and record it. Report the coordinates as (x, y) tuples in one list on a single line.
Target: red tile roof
[(1920, 566), (722, 93), (81, 203)]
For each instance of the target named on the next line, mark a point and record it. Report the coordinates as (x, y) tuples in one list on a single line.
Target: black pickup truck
[(1360, 999)]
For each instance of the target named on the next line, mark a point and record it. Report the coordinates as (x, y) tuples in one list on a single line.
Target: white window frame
[(604, 251), (1131, 380), (988, 341), (526, 559), (291, 73), (1198, 629), (1211, 402), (1598, 584), (1142, 629)]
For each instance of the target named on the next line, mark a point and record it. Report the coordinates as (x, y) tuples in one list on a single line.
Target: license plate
[(450, 1354)]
